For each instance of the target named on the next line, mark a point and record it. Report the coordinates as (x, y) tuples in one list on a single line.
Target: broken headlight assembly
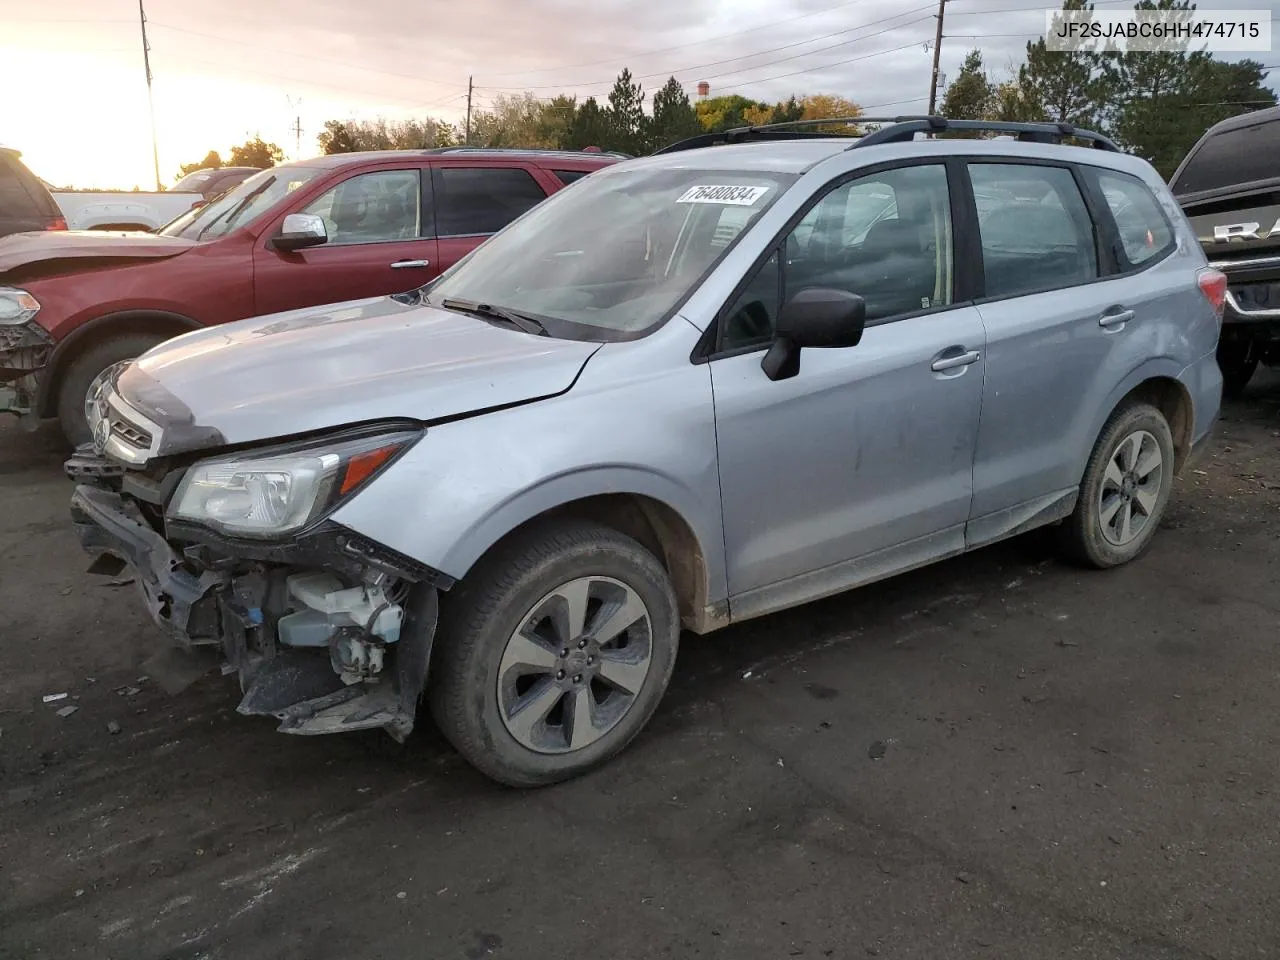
[(17, 307), (270, 494)]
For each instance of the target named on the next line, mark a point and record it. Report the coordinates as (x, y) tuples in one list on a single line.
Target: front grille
[(130, 434)]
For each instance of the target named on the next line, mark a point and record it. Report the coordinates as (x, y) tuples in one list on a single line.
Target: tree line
[(1155, 105)]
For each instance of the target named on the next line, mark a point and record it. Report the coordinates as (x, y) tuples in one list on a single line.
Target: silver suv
[(688, 390)]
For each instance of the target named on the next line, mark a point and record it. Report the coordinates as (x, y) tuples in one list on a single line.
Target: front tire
[(553, 653), (1125, 490), (84, 373)]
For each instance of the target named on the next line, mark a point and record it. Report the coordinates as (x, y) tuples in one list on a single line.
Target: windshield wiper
[(487, 310)]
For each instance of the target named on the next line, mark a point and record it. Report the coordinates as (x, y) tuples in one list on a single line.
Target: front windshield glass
[(617, 251), (241, 205)]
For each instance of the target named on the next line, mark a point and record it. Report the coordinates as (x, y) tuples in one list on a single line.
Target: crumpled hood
[(23, 249), (347, 363)]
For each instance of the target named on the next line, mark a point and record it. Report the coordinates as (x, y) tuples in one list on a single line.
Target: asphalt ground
[(1001, 756)]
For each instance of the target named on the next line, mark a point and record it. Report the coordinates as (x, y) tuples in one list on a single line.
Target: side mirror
[(814, 317), (301, 230)]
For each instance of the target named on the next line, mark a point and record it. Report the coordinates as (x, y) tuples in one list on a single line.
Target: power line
[(303, 56), (825, 66), (697, 67), (684, 46), (187, 58)]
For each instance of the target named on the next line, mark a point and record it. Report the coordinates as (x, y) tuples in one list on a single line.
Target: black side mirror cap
[(814, 317)]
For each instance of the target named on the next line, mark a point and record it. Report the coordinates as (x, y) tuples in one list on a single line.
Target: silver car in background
[(686, 391)]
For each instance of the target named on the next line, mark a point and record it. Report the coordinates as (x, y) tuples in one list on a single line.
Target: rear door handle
[(959, 360), (1117, 319), (409, 264)]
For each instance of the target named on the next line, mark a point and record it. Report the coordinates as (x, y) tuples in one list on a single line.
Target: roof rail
[(895, 130), (535, 150), (904, 129)]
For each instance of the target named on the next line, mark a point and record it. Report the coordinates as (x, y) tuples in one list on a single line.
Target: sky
[(73, 95)]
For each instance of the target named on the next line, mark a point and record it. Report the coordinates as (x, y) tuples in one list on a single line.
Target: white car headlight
[(270, 495), (17, 306)]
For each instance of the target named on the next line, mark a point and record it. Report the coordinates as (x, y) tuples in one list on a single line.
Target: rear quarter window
[(1145, 232), (1240, 156), (570, 176)]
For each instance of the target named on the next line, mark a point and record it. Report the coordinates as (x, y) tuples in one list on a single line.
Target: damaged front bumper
[(273, 611), (25, 349)]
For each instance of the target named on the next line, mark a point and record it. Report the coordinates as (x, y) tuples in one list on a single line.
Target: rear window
[(1144, 230), (570, 176), (482, 200), (1234, 157), (20, 194)]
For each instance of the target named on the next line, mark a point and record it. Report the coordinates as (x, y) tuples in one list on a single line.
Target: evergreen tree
[(1069, 86), (673, 117), (625, 117), (971, 95), (590, 127)]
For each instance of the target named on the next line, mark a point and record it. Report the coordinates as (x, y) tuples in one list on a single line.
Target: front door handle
[(1117, 319), (409, 264), (959, 360)]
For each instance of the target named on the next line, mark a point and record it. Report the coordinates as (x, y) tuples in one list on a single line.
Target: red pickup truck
[(73, 306)]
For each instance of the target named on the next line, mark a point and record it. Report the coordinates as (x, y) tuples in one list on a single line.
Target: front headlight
[(270, 495), (17, 306)]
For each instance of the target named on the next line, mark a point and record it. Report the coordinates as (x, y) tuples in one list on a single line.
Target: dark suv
[(1229, 187), (25, 204)]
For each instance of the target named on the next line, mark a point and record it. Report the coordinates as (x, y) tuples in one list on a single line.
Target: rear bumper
[(1203, 381)]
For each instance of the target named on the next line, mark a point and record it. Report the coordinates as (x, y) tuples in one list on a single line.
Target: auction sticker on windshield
[(724, 193)]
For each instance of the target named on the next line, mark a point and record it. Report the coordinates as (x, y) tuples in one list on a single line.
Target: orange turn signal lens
[(363, 465)]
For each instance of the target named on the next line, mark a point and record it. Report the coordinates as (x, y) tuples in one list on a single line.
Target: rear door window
[(481, 200), (1144, 230), (1235, 157), (1036, 232)]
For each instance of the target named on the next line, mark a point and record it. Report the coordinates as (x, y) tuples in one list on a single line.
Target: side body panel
[(639, 420), (865, 449)]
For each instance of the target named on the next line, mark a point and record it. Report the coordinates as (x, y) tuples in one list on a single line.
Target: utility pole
[(466, 140), (297, 128), (937, 53), (151, 103)]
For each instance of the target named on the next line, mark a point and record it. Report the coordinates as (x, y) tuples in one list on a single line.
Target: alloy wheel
[(575, 665), (1130, 492)]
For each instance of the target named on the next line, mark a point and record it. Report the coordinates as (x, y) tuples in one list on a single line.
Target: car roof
[(1250, 119), (799, 156), (332, 160)]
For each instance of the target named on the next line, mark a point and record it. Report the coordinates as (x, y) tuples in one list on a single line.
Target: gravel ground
[(1000, 756)]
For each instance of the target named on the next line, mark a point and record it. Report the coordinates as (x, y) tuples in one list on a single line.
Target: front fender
[(470, 482), (558, 491)]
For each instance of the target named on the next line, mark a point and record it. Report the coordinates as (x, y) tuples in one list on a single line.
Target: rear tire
[(1238, 360), (84, 369), (527, 697), (1125, 490)]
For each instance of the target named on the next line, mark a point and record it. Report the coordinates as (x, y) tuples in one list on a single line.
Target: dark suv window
[(1232, 157), (18, 199), (478, 200), (1035, 228), (24, 202)]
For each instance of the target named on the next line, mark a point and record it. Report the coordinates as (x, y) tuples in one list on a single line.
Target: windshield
[(240, 205), (617, 252)]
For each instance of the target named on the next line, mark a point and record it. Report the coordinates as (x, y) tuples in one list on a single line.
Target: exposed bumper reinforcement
[(296, 686)]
